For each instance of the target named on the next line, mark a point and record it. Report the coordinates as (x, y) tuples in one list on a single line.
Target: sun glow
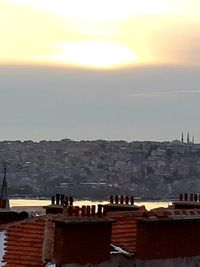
[(94, 54), (95, 34), (101, 10)]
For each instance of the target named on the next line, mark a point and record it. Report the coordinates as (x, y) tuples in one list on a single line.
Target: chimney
[(2, 204), (127, 200), (57, 199), (116, 199), (77, 210), (120, 203), (132, 200), (111, 199), (52, 200), (59, 204), (83, 210), (71, 201), (93, 210), (122, 200), (186, 197), (88, 211), (65, 201), (99, 210), (82, 240), (62, 197)]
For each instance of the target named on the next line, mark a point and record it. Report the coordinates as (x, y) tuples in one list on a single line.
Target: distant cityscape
[(96, 169)]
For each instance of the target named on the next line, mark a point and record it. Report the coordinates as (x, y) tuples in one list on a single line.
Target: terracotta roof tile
[(176, 213), (24, 242), (124, 229)]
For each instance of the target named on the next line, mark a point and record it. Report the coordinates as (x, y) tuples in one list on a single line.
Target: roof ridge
[(27, 220), (48, 243)]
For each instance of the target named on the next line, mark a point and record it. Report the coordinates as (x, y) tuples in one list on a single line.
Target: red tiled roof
[(29, 243), (174, 213), (25, 244), (124, 229)]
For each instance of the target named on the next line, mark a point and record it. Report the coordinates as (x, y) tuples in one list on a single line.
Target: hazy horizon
[(145, 103)]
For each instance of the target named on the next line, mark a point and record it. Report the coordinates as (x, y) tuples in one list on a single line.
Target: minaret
[(193, 139), (4, 201), (188, 137), (182, 138)]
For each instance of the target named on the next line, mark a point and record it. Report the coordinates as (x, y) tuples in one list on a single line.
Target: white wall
[(123, 261), (178, 262), (116, 260), (2, 247)]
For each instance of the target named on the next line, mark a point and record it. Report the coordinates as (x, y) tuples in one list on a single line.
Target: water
[(154, 204), (41, 203), (29, 202)]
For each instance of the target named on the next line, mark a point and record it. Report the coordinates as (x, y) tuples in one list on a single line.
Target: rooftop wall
[(165, 239), (86, 241)]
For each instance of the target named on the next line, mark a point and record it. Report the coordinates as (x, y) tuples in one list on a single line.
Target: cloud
[(166, 94)]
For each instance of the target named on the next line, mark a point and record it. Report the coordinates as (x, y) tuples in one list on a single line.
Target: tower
[(182, 138), (4, 201), (188, 137), (193, 139)]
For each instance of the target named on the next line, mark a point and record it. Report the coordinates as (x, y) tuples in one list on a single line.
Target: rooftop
[(24, 242), (82, 220), (124, 230)]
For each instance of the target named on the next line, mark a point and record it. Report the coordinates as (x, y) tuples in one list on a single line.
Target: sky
[(114, 70)]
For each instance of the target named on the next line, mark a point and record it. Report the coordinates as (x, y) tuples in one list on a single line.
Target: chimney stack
[(121, 199), (132, 200), (57, 199), (71, 201), (111, 199), (116, 199), (186, 197), (126, 200), (62, 197)]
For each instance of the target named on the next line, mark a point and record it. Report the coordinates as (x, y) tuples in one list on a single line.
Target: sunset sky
[(109, 69)]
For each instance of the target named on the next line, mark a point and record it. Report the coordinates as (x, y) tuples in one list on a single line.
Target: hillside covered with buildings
[(96, 169)]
